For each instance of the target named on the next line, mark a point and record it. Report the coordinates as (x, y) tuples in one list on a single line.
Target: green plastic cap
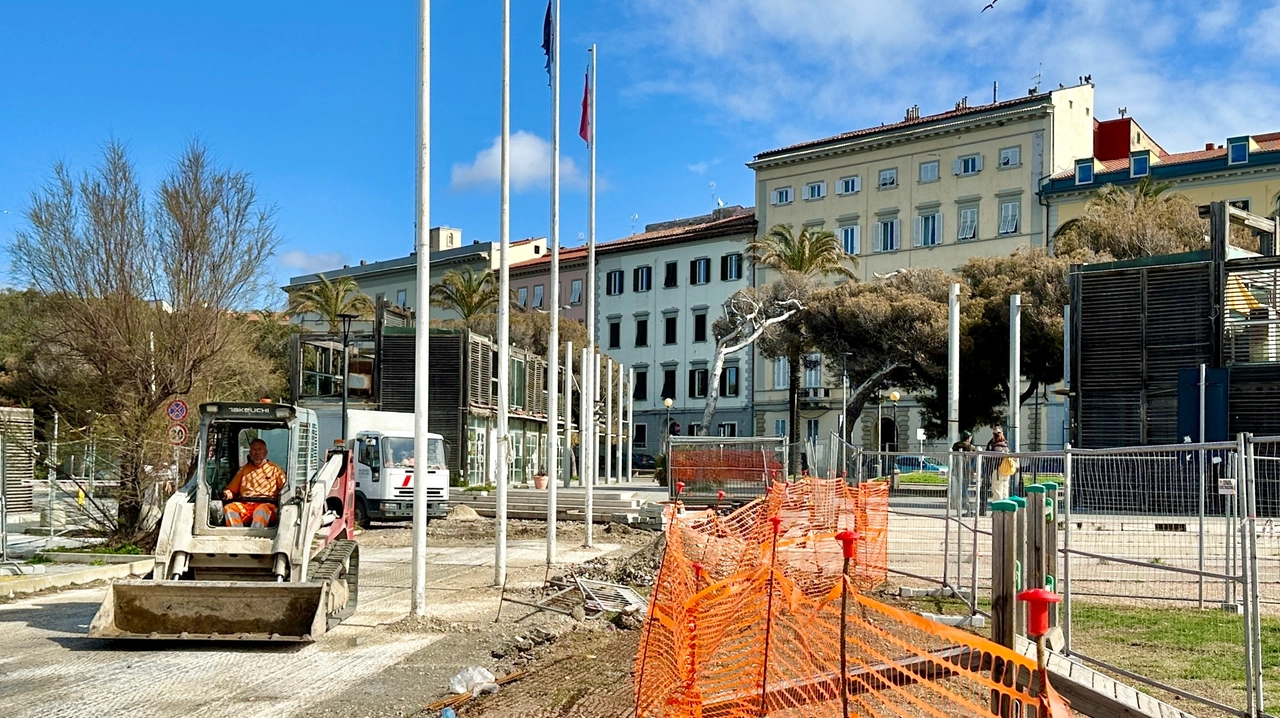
[(1036, 489), (1050, 486), (1020, 501), (1004, 505)]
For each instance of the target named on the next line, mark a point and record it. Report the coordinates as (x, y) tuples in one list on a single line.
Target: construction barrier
[(709, 469), (761, 613)]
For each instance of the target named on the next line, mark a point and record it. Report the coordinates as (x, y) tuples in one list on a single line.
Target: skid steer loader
[(290, 581)]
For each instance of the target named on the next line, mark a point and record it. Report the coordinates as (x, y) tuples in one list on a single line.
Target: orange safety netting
[(707, 469), (744, 622)]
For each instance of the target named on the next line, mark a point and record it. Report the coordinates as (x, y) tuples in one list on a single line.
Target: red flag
[(584, 127)]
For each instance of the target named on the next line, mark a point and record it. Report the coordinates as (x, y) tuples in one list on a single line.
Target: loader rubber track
[(327, 566)]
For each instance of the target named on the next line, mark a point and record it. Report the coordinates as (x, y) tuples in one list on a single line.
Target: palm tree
[(1142, 220), (331, 299), (814, 253), (466, 293)]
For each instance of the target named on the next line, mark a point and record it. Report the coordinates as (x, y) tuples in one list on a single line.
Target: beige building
[(926, 191)]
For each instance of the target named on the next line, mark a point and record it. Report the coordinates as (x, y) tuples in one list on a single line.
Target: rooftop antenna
[(714, 198), (1123, 111), (634, 217), (1038, 76)]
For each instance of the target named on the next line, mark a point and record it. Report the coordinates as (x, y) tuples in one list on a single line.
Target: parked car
[(643, 462), (919, 464)]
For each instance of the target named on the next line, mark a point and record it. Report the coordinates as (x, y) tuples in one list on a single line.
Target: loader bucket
[(212, 610)]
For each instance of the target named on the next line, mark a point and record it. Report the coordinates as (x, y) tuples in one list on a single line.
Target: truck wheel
[(362, 514)]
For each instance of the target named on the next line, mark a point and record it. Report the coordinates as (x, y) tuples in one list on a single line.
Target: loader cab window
[(229, 450)]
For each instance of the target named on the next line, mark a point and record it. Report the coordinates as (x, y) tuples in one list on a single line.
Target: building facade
[(531, 283), (396, 279), (927, 191), (658, 294)]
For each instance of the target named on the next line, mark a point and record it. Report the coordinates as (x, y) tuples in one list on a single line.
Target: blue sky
[(316, 99)]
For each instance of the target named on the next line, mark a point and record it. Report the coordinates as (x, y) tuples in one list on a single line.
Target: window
[(889, 178), (731, 267), (642, 332), (643, 279), (700, 327), (728, 428), (640, 392), (1010, 157), (968, 223), (782, 195), (671, 280), (700, 271), (811, 429), (640, 440), (1239, 204), (851, 236), (850, 185), (729, 381), (668, 383), (698, 383), (575, 291), (516, 393), (813, 371), (781, 373), (779, 427), (967, 165), (815, 190), (613, 283), (522, 296), (1084, 172), (886, 239), (669, 330), (1140, 165), (615, 333), (402, 297), (928, 230), (1237, 151), (1009, 217), (537, 296), (929, 171)]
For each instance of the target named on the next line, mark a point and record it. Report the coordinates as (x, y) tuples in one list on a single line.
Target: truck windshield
[(397, 452)]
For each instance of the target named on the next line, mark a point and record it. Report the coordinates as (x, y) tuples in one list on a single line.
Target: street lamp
[(346, 368), (844, 410), (667, 403)]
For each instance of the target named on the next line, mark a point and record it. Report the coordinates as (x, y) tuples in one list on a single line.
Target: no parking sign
[(177, 410)]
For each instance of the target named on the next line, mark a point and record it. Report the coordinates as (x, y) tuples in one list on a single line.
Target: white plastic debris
[(474, 680)]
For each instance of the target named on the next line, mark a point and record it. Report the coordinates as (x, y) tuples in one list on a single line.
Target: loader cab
[(226, 430)]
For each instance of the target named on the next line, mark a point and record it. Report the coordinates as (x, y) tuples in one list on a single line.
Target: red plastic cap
[(777, 523), (1038, 600), (847, 540), (720, 495), (698, 569), (679, 488)]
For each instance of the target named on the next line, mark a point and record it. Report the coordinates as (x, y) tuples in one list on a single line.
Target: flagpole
[(553, 337), (422, 331), (504, 305), (592, 368)]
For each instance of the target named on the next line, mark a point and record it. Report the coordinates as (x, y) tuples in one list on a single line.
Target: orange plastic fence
[(707, 469), (746, 620)]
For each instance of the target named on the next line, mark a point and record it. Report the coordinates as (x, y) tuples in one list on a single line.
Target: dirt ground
[(476, 531)]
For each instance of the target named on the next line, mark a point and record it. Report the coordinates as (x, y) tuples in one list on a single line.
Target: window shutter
[(977, 163), (955, 167), (937, 228), (877, 244), (724, 268), (918, 236), (896, 234), (857, 183), (693, 272)]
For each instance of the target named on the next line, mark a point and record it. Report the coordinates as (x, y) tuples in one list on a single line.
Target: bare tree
[(143, 295), (748, 314)]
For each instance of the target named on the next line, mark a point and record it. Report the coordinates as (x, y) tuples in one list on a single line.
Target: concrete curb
[(31, 584), (89, 557)]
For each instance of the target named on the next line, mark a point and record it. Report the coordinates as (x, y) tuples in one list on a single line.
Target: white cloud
[(698, 168), (798, 71), (303, 262), (530, 165)]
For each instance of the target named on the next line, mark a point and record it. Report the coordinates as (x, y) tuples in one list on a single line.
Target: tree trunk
[(793, 411), (713, 391)]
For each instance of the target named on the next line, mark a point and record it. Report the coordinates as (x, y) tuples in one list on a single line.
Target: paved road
[(49, 668)]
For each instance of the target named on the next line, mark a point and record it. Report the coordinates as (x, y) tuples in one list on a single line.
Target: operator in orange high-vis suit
[(254, 490)]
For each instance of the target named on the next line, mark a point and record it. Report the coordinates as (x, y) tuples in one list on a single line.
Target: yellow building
[(1244, 171), (927, 191)]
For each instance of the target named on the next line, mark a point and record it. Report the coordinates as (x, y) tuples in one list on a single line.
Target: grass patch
[(481, 487), (127, 549), (38, 559), (922, 477)]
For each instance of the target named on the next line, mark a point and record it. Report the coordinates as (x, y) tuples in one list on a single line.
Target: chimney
[(443, 238), (913, 112), (995, 91), (1208, 145), (963, 103)]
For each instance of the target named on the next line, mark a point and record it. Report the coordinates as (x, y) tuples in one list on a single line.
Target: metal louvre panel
[(1110, 381), (1179, 334)]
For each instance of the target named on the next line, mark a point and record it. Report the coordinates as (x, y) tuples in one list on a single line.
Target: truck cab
[(387, 466)]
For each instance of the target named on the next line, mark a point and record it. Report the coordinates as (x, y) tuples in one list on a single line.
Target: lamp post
[(667, 403), (346, 368), (844, 411)]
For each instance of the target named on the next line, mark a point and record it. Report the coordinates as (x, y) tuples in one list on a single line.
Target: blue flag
[(548, 46)]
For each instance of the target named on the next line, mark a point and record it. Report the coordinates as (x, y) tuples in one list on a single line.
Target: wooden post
[(1035, 536), (1004, 591), (1051, 545), (1020, 556)]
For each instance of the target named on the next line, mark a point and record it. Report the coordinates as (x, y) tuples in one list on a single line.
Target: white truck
[(386, 463)]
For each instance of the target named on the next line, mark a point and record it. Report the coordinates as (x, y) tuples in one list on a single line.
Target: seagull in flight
[(990, 5)]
